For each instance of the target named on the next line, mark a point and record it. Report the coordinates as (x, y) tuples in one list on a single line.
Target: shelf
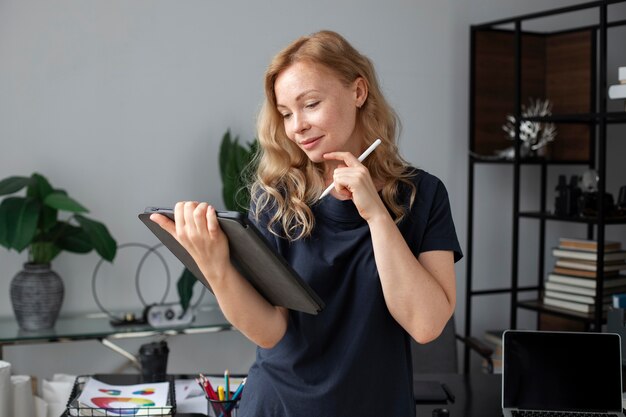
[(539, 306), (588, 220), (496, 291), (510, 66), (584, 118), (489, 159), (616, 117), (553, 12)]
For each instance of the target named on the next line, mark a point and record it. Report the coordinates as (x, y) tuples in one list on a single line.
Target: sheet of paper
[(115, 400)]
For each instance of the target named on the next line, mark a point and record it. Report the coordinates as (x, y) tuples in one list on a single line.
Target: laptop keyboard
[(515, 413)]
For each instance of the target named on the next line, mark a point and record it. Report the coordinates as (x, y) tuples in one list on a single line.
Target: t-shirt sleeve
[(440, 233)]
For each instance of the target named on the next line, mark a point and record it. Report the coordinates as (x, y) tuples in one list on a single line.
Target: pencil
[(208, 388), (361, 158)]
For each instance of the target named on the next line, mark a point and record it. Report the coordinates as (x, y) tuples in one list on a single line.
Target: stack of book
[(573, 282)]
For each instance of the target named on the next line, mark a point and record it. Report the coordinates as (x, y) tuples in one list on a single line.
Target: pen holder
[(226, 408)]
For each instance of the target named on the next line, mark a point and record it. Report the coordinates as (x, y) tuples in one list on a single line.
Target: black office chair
[(440, 355)]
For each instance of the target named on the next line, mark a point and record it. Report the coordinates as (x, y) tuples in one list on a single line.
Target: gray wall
[(123, 104)]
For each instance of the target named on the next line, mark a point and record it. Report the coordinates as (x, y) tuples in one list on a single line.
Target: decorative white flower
[(534, 135)]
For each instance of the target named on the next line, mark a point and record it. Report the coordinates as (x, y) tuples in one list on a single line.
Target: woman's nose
[(300, 123)]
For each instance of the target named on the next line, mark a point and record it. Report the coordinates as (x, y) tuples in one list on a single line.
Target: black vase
[(36, 295)]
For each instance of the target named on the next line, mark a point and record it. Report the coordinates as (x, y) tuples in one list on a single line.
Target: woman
[(379, 250)]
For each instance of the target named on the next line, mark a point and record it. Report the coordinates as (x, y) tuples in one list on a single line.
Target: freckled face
[(319, 111)]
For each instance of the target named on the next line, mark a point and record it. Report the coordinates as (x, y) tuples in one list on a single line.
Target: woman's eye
[(312, 105), (286, 116)]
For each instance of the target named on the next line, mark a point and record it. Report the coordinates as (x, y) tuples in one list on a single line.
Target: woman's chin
[(315, 157)]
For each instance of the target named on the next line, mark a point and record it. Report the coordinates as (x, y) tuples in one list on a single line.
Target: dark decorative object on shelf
[(621, 201), (37, 295), (589, 203), (589, 199), (567, 197)]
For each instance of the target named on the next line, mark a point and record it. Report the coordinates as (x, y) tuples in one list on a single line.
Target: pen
[(361, 158), (227, 384)]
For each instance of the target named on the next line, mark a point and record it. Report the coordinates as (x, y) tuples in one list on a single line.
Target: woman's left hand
[(353, 180)]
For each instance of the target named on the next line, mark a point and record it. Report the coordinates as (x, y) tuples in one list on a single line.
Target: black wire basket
[(74, 408)]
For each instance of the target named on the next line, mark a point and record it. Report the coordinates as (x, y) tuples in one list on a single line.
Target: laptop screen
[(561, 371)]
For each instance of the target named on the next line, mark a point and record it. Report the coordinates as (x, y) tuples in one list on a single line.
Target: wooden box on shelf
[(557, 67)]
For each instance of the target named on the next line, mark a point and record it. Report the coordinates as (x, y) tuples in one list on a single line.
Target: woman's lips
[(310, 143)]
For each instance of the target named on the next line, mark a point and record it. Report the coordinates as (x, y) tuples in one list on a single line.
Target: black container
[(153, 358)]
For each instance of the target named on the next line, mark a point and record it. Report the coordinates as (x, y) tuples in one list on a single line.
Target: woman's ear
[(360, 91)]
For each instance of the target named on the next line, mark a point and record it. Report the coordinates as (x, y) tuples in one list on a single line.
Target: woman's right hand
[(196, 228)]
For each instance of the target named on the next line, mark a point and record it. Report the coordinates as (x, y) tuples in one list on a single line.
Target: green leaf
[(226, 169), (20, 218), (234, 161), (99, 236), (185, 286), (48, 218), (39, 187), (224, 156), (74, 239), (11, 185), (61, 201)]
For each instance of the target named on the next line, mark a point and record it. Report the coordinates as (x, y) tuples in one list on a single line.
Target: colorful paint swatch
[(145, 391), (120, 405), (110, 391)]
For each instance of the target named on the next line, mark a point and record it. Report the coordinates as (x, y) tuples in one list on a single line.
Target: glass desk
[(97, 326)]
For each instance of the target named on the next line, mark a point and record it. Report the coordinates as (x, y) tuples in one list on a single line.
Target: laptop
[(561, 374)]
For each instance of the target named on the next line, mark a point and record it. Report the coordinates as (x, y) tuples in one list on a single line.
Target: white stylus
[(361, 158)]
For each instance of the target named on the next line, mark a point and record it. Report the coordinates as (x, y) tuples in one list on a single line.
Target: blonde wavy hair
[(287, 183)]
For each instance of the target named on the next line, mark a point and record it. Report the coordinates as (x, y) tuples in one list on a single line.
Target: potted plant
[(32, 222), (235, 161)]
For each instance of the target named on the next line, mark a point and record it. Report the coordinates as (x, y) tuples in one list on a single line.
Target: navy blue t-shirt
[(353, 358)]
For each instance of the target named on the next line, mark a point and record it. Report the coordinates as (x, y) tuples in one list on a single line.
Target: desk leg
[(132, 358)]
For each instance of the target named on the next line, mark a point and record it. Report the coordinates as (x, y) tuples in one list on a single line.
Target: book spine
[(572, 289), (575, 298), (592, 266), (588, 255), (587, 245), (563, 279)]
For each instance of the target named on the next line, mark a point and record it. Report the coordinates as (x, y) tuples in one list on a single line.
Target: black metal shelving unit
[(593, 41)]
